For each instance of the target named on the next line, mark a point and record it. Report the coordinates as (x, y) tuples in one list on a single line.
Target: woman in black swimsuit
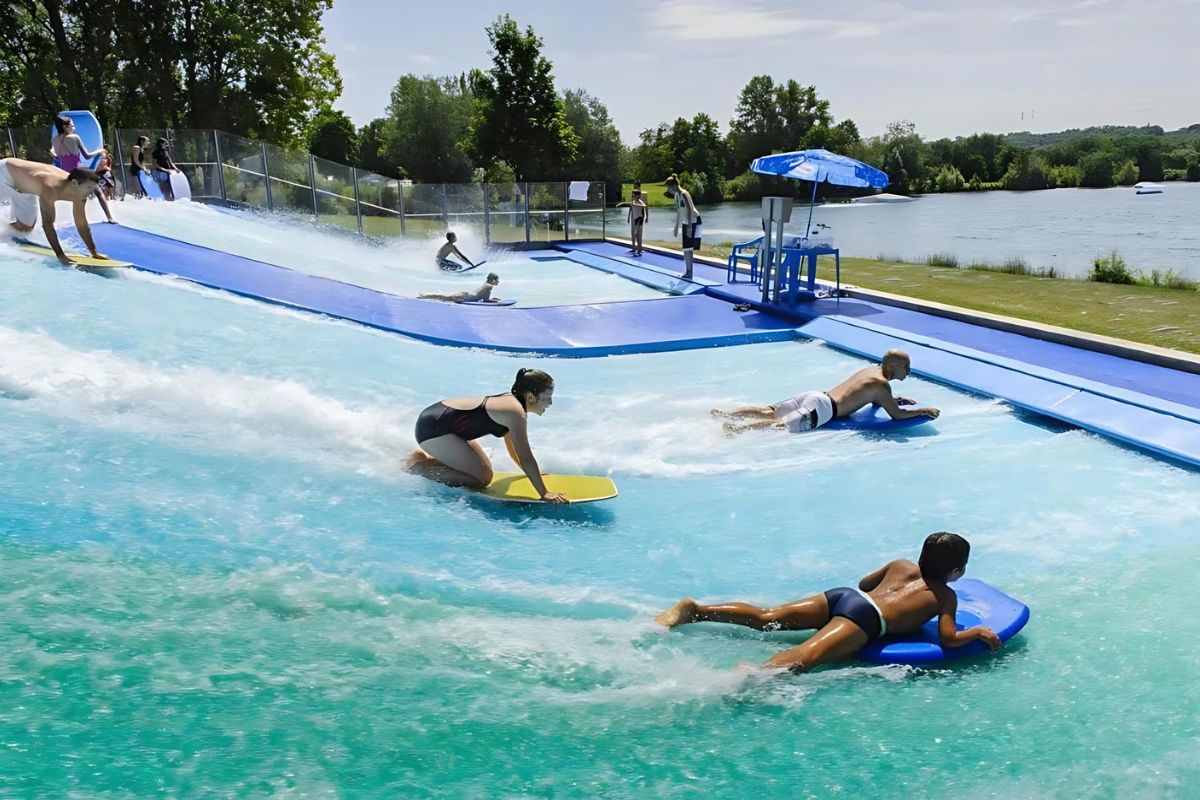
[(446, 432)]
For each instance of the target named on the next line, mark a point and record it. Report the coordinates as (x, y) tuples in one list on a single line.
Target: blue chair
[(748, 252)]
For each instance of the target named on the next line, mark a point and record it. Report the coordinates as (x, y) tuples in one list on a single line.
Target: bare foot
[(716, 412), (681, 613), (416, 460), (731, 428)]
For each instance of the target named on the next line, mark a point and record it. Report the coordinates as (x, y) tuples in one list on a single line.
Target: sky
[(952, 67)]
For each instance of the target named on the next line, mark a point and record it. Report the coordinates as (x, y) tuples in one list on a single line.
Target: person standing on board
[(687, 216)]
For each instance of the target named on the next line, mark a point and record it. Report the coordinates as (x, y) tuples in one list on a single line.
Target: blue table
[(793, 257)]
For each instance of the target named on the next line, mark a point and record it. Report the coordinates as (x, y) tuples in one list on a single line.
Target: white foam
[(229, 412)]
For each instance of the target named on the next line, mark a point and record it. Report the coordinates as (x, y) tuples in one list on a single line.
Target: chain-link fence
[(224, 167)]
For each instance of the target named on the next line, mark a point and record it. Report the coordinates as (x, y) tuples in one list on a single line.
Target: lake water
[(1060, 228)]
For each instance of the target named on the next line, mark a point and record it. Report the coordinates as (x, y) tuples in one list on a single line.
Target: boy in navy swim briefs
[(899, 597)]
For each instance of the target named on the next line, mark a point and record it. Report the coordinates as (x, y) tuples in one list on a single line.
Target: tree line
[(259, 68)]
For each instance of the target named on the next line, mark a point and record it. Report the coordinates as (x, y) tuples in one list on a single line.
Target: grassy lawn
[(1146, 314)]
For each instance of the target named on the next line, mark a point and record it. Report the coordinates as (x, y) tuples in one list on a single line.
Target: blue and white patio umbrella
[(820, 166)]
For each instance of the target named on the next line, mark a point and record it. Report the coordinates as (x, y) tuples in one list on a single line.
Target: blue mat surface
[(642, 326)]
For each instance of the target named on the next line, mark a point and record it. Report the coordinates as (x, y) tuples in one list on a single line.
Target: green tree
[(1126, 174), (694, 149), (371, 156), (257, 67), (428, 120), (901, 154), (1026, 171), (771, 119), (519, 117), (1096, 170), (600, 150), (333, 136)]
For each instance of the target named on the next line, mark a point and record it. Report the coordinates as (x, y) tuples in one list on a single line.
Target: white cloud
[(706, 20), (421, 58)]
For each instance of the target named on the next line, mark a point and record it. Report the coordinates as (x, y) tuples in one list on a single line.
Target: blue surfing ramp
[(599, 329)]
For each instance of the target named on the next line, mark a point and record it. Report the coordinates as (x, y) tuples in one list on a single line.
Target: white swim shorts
[(804, 411)]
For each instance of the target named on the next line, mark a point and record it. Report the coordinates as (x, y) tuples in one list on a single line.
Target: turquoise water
[(216, 581)]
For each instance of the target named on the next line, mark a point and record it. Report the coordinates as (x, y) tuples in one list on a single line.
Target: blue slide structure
[(599, 329)]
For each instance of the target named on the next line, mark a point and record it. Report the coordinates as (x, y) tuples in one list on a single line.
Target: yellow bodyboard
[(80, 261), (514, 487)]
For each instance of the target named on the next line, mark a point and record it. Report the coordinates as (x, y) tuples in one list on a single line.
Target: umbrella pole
[(811, 202)]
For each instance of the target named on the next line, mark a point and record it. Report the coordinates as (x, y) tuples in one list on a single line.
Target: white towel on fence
[(578, 190)]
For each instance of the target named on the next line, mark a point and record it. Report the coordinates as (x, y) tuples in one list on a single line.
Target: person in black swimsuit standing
[(446, 432)]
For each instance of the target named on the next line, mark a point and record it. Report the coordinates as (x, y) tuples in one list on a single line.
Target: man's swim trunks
[(24, 206), (858, 607), (805, 411)]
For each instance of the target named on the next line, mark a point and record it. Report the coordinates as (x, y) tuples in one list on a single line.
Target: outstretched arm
[(85, 232), (47, 209), (948, 633), (889, 404), (83, 150), (523, 454), (459, 253)]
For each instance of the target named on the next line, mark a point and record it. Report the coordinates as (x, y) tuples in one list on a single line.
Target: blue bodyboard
[(150, 186), (487, 302), (873, 418), (88, 129), (978, 604)]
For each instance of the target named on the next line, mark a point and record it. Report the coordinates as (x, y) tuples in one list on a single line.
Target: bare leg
[(811, 612), (452, 461), (104, 205), (839, 640), (687, 264), (758, 412), (734, 428)]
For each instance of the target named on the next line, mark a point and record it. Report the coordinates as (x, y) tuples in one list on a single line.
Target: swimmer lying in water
[(483, 294), (899, 597), (811, 410)]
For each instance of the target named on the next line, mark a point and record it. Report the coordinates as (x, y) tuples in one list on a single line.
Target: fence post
[(357, 202), (120, 170), (445, 206), (220, 165), (566, 211), (604, 210), (312, 183), (400, 194), (487, 214), (267, 176), (526, 195)]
